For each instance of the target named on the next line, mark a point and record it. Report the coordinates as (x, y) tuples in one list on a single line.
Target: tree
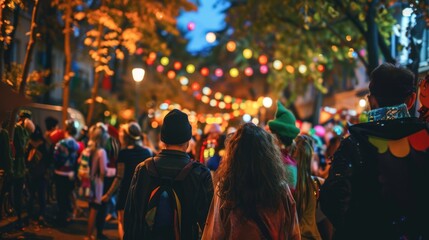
[(311, 35), (120, 27), (26, 64)]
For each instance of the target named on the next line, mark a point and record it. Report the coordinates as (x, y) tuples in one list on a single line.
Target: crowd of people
[(248, 182)]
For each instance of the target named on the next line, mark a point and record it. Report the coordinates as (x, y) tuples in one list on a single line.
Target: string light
[(263, 60), (231, 46), (190, 68), (233, 72), (247, 53), (277, 64), (165, 61)]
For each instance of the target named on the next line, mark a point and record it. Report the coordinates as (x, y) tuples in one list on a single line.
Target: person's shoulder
[(142, 166)]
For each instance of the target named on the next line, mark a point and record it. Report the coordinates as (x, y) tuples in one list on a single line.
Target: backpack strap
[(185, 171), (151, 168)]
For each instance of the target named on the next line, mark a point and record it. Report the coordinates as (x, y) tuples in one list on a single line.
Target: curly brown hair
[(251, 173)]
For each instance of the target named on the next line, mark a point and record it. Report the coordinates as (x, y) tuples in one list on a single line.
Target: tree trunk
[(67, 52), (371, 36), (94, 91), (26, 65)]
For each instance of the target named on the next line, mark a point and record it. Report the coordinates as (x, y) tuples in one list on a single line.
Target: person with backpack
[(169, 195), (376, 188), (65, 157), (253, 199), (129, 157)]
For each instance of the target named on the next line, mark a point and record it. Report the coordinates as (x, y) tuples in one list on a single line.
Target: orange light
[(205, 71), (263, 59)]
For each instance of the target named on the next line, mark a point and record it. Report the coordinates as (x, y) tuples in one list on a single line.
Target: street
[(75, 230)]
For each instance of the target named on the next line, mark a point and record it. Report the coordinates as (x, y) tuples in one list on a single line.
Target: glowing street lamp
[(138, 75)]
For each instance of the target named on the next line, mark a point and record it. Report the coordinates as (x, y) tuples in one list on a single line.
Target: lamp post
[(138, 75)]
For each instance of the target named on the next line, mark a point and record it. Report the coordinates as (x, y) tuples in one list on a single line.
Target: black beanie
[(176, 128)]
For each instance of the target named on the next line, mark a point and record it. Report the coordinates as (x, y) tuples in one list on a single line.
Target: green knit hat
[(284, 123)]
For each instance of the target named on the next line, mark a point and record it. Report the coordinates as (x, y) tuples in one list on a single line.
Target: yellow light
[(290, 69), (227, 99), (247, 53), (255, 105), (255, 121), (362, 103), (222, 105), (213, 102), (334, 48), (277, 64), (226, 116), (205, 99), (184, 80), (231, 46), (210, 37), (236, 113), (267, 102), (302, 68), (218, 95), (165, 61), (190, 68), (348, 38), (207, 91), (233, 72), (243, 105), (235, 106)]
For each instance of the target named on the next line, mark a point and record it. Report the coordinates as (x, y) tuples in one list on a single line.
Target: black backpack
[(164, 207)]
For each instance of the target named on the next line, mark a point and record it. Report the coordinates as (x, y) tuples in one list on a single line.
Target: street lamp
[(138, 75)]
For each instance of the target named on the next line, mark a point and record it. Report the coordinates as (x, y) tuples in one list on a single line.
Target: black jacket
[(196, 195), (378, 181)]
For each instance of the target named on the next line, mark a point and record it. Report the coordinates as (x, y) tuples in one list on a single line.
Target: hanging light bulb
[(190, 68), (231, 46), (247, 53)]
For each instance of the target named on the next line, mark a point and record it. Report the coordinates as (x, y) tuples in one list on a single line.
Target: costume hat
[(284, 123)]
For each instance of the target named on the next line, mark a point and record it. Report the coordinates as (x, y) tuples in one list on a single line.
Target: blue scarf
[(388, 113)]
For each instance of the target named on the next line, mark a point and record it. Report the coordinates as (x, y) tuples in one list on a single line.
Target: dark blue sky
[(208, 18)]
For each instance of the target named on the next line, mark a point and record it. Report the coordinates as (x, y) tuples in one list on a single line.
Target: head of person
[(283, 125), (390, 86), (251, 172), (302, 151), (98, 136), (51, 123), (213, 131), (176, 131), (130, 134), (24, 117), (71, 129)]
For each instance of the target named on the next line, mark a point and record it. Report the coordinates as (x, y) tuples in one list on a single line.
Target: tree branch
[(385, 49)]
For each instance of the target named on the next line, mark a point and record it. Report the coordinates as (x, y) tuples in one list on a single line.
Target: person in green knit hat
[(283, 126)]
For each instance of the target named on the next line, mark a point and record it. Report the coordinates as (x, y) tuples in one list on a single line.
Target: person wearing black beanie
[(176, 128), (192, 183)]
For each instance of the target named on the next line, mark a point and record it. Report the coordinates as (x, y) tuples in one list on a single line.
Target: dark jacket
[(378, 182), (196, 195)]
